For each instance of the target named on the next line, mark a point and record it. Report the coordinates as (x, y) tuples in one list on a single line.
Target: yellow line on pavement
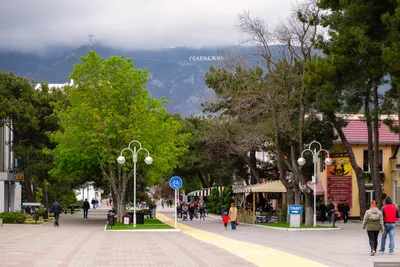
[(256, 254)]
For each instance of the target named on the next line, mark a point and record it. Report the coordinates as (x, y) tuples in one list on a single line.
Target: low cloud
[(34, 26)]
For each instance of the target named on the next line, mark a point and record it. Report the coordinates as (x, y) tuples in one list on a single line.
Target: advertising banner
[(340, 179)]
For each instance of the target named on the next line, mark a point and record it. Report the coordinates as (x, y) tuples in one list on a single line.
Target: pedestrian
[(86, 207), (162, 203), (93, 203), (330, 209), (56, 210), (96, 203), (322, 212), (341, 210), (223, 210), (390, 214), (346, 210), (373, 222), (225, 219), (233, 215)]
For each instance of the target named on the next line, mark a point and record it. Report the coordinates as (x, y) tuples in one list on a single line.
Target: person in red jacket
[(390, 216), (225, 219)]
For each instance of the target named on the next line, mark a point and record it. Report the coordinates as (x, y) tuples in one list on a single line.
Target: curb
[(283, 229)]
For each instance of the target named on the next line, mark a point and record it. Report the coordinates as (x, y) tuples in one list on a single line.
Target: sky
[(33, 26)]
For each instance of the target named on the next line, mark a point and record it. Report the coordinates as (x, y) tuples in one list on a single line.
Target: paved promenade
[(348, 247), (83, 242)]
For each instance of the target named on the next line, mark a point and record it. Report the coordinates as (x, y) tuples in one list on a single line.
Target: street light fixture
[(147, 160), (328, 161)]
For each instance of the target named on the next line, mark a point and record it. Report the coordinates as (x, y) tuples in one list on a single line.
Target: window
[(395, 192), (366, 164)]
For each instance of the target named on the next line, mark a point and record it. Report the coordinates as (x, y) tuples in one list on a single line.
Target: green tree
[(28, 113), (106, 109), (355, 61)]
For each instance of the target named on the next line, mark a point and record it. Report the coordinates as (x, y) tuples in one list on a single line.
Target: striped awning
[(272, 186), (205, 192)]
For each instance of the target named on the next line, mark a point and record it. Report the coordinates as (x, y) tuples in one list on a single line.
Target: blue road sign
[(295, 209), (175, 182)]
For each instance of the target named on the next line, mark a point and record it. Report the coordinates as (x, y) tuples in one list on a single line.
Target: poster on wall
[(340, 179)]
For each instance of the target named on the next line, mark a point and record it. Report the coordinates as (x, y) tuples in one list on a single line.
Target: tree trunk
[(290, 200), (376, 178), (255, 177), (309, 208), (358, 171), (203, 180), (45, 198), (297, 195), (120, 205), (27, 182)]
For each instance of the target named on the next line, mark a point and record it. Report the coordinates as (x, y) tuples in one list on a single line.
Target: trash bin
[(139, 218), (131, 216), (110, 220)]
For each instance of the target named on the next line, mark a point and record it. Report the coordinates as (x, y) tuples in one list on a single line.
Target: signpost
[(175, 183), (295, 212)]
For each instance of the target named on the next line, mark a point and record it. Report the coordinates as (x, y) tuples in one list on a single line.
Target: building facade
[(339, 180), (10, 187)]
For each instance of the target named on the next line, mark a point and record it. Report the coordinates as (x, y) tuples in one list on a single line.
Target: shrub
[(13, 217), (20, 219)]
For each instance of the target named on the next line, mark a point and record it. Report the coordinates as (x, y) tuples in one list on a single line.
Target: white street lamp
[(328, 161), (147, 160)]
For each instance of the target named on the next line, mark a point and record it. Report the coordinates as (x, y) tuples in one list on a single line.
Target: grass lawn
[(149, 224), (287, 225)]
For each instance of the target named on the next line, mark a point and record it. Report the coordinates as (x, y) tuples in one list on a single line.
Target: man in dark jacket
[(86, 207), (56, 210), (390, 216), (346, 210)]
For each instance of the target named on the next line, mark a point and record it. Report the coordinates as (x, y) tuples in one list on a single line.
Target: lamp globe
[(301, 161), (121, 159), (148, 160)]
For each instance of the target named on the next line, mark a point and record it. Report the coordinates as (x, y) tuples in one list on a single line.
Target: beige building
[(339, 180)]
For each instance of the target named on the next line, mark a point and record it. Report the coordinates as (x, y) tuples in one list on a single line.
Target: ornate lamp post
[(301, 161), (147, 160)]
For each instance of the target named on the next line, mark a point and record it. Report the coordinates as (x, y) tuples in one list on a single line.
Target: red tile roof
[(356, 133)]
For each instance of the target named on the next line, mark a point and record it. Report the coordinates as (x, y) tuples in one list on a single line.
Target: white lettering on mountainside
[(205, 58)]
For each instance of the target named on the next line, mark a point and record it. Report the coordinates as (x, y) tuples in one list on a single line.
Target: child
[(225, 219)]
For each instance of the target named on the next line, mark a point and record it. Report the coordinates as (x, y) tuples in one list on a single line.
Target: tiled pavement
[(80, 242), (347, 247)]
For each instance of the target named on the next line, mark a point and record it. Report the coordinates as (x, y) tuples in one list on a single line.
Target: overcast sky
[(34, 25)]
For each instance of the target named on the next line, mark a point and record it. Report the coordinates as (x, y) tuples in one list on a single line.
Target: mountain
[(176, 73)]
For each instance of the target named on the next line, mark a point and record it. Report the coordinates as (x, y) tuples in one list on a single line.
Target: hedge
[(13, 217)]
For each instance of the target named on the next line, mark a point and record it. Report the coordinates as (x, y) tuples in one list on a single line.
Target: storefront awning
[(272, 186), (205, 192), (320, 188)]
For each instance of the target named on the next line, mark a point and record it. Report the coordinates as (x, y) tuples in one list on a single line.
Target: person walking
[(390, 215), (373, 223), (330, 208), (86, 207), (322, 212), (93, 203), (225, 220), (56, 210), (223, 210), (233, 215), (346, 210)]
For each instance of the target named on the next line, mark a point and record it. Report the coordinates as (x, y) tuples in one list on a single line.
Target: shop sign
[(339, 184)]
